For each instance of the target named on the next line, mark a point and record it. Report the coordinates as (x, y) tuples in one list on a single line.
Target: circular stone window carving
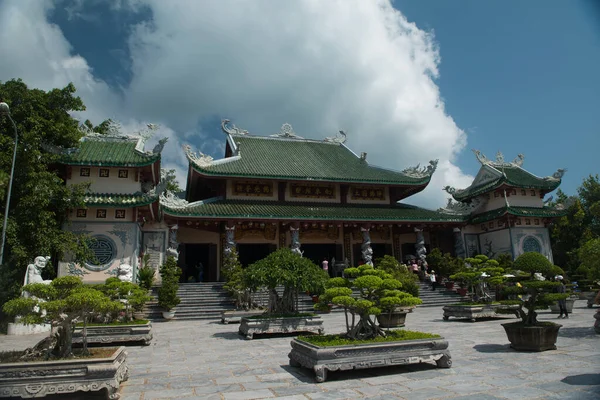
[(105, 250), (530, 243)]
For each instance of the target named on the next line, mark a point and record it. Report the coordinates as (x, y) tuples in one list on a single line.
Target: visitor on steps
[(433, 280)]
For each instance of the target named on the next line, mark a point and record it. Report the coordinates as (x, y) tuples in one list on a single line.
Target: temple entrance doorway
[(250, 253), (200, 262), (317, 252)]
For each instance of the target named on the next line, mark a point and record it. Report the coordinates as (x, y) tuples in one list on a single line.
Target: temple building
[(317, 197)]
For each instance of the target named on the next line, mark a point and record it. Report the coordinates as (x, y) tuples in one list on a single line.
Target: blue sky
[(514, 76)]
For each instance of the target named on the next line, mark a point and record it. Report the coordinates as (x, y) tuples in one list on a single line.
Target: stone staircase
[(202, 300), (438, 297)]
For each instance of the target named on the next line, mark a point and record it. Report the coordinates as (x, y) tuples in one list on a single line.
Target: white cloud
[(322, 66)]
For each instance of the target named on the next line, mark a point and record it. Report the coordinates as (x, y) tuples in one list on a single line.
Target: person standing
[(562, 304), (433, 280), (325, 265)]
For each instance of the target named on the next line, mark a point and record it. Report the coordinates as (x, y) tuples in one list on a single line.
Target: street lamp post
[(5, 110)]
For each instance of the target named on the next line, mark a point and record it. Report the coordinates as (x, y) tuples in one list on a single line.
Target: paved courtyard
[(208, 360)]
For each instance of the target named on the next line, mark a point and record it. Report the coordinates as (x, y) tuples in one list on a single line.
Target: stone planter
[(237, 315), (597, 323), (396, 319), (532, 338), (251, 326), (42, 378), (342, 358), (555, 310), (112, 334), (473, 312)]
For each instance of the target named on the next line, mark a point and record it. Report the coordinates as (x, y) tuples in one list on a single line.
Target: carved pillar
[(295, 246), (229, 239), (347, 247), (367, 251), (420, 245), (281, 237), (396, 246), (173, 244), (459, 246)]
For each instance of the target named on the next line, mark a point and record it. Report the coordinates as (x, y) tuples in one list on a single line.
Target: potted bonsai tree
[(529, 334), (167, 293), (145, 275), (364, 344), (63, 303), (283, 268), (233, 273)]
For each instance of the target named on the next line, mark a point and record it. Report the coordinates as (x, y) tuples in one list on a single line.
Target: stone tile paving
[(208, 360)]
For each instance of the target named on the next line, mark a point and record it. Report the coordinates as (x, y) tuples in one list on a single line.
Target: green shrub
[(146, 273), (167, 293)]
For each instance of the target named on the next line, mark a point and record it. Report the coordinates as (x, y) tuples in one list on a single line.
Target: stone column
[(420, 245), (367, 251), (459, 245), (295, 245)]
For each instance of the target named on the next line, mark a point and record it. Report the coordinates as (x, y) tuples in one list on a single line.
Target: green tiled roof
[(310, 211), (535, 212), (119, 200), (513, 176), (302, 159), (109, 152)]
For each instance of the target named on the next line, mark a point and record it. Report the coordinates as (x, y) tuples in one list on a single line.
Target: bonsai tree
[(378, 292), (146, 273), (131, 295), (167, 293), (288, 269), (478, 274), (62, 303), (540, 291), (400, 272), (234, 281)]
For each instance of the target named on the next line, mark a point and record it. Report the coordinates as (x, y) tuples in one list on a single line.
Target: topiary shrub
[(378, 292), (478, 274), (167, 293), (234, 281), (537, 287), (145, 277)]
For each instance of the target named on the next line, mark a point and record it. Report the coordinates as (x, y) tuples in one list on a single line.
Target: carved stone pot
[(532, 338), (251, 326), (369, 355), (42, 378), (112, 334), (396, 319), (168, 314), (554, 309), (236, 316)]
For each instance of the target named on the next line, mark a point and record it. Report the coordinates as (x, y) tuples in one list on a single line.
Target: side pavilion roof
[(287, 156)]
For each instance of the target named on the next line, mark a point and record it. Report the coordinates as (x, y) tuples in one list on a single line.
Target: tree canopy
[(40, 200)]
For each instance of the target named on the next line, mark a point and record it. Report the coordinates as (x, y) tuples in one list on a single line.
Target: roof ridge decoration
[(340, 138), (168, 199), (114, 133), (286, 131), (499, 162), (200, 159), (557, 176), (421, 172), (460, 208), (231, 129)]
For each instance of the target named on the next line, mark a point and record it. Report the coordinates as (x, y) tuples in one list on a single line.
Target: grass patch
[(276, 316), (101, 352), (392, 336), (116, 323)]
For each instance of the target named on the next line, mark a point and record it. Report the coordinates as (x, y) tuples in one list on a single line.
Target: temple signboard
[(253, 188), (367, 193), (312, 191)]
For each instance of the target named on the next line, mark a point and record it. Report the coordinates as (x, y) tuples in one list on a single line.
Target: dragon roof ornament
[(170, 200), (557, 175), (231, 129), (421, 172), (499, 161), (200, 159), (457, 207), (340, 138)]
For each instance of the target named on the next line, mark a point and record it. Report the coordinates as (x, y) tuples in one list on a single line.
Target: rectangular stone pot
[(251, 326), (473, 312), (396, 319), (237, 315), (554, 309), (371, 355), (112, 334), (42, 378)]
